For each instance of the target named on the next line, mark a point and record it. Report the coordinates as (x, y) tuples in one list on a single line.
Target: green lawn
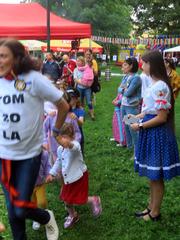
[(122, 191)]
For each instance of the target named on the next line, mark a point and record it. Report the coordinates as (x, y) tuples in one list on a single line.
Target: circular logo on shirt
[(20, 85)]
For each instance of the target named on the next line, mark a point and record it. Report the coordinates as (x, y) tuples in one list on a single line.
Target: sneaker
[(96, 206), (52, 231), (36, 226), (70, 221)]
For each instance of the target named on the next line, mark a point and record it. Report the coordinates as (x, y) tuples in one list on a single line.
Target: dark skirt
[(76, 192), (157, 155)]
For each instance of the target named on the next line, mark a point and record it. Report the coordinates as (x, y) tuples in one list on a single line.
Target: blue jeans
[(23, 177), (131, 135), (86, 93)]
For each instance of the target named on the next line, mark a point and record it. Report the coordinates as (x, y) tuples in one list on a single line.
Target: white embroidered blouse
[(156, 97)]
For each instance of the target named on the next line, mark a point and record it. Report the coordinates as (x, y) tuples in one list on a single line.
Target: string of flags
[(136, 41)]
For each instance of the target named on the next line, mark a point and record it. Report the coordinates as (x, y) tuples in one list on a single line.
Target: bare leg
[(157, 197), (71, 210)]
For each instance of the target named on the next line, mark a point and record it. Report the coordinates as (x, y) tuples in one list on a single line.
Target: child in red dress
[(75, 176)]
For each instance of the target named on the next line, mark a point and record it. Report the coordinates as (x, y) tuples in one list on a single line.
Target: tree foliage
[(161, 16), (107, 17)]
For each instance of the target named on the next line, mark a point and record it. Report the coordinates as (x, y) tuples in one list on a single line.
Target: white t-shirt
[(157, 97), (21, 115)]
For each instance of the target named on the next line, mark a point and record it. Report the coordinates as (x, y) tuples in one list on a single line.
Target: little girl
[(117, 123), (75, 175), (39, 192)]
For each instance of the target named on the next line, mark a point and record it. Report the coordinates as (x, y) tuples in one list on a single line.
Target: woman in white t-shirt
[(157, 155), (23, 91)]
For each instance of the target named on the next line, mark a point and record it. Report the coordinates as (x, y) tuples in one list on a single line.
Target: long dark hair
[(22, 61), (158, 70)]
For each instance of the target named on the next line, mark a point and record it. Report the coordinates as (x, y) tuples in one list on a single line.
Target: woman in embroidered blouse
[(157, 155), (174, 77)]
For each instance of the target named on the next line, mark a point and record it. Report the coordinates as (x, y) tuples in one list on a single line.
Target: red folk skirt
[(76, 192)]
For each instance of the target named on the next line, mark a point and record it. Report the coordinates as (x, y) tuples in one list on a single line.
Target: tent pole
[(48, 26)]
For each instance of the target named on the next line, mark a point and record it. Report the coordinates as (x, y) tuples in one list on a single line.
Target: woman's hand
[(131, 115), (135, 126)]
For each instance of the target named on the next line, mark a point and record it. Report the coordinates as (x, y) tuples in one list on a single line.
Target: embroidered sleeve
[(161, 96)]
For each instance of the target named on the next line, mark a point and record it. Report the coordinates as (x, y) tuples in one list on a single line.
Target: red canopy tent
[(28, 21)]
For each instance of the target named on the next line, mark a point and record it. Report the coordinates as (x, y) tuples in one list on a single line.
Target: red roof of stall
[(28, 21)]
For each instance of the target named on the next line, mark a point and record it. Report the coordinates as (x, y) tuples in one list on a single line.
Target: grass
[(112, 177)]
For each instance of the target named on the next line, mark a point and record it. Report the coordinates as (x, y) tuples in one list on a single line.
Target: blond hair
[(82, 59)]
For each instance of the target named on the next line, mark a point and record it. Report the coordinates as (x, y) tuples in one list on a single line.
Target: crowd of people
[(42, 108), (42, 136)]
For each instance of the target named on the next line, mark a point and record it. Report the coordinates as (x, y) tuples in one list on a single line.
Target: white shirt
[(146, 82), (157, 97), (70, 162), (21, 115)]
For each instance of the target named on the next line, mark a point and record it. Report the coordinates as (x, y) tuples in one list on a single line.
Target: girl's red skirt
[(76, 192)]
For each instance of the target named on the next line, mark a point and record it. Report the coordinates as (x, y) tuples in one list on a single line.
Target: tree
[(161, 16), (107, 17)]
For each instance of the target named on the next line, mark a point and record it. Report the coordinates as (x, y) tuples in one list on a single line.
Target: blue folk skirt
[(156, 155)]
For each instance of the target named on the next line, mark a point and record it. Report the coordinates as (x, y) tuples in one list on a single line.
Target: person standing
[(173, 76), (51, 68), (68, 69), (83, 77), (130, 89), (157, 155), (23, 91)]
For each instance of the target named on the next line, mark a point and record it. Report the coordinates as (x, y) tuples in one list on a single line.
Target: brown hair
[(67, 129), (23, 63)]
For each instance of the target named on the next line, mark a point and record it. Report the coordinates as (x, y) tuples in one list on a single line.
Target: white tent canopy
[(174, 49)]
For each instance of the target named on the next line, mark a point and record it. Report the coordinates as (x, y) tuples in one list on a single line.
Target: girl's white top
[(157, 97), (70, 162), (22, 113)]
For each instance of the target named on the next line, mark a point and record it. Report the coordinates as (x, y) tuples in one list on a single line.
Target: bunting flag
[(136, 41)]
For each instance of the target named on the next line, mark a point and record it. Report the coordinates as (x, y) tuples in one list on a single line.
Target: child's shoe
[(36, 226), (52, 231), (96, 206), (70, 221)]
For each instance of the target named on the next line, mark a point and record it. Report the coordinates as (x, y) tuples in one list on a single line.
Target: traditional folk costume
[(157, 155)]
